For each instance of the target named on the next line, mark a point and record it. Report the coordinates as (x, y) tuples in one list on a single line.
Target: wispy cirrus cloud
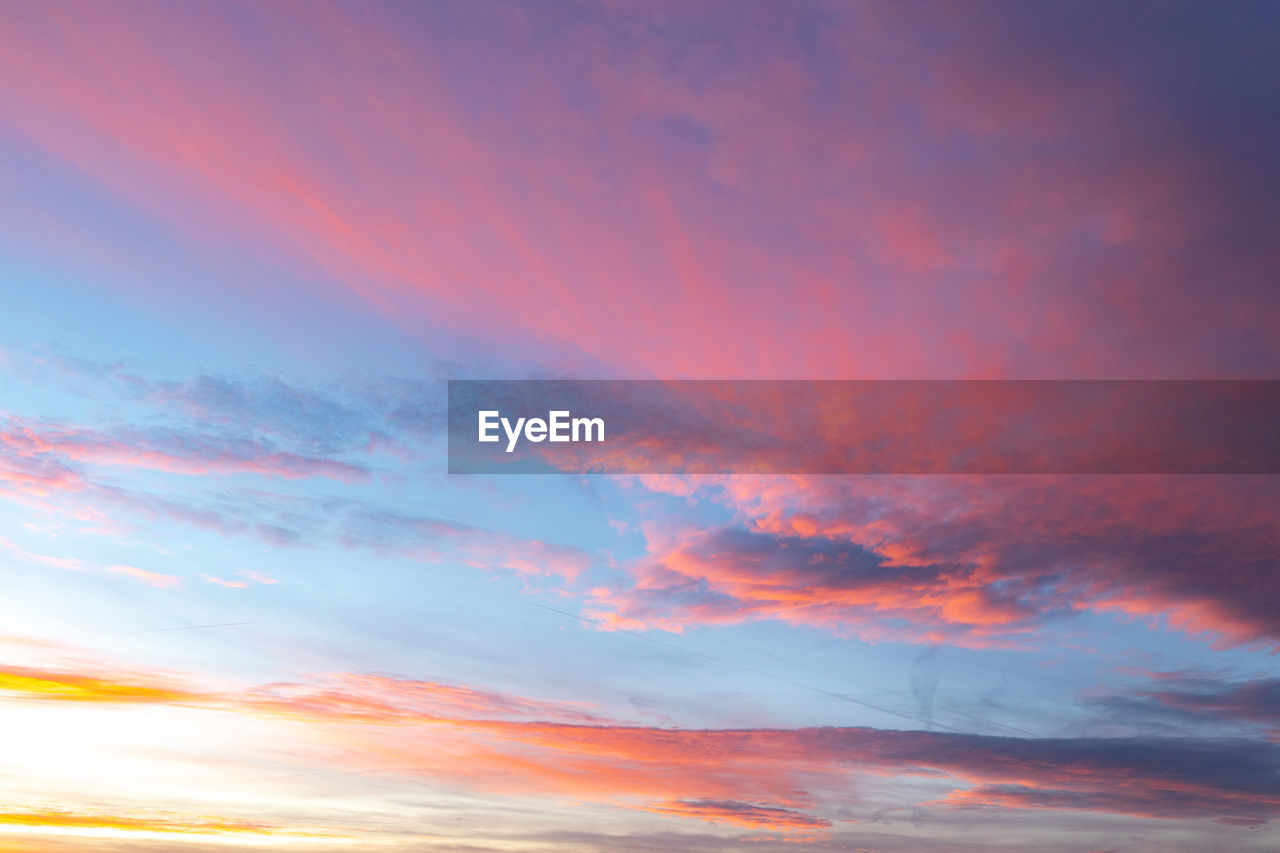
[(385, 699), (35, 446), (160, 580), (286, 434)]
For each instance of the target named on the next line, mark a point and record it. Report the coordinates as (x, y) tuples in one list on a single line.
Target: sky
[(244, 246)]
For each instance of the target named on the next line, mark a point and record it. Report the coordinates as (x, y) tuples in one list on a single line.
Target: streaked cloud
[(781, 779)]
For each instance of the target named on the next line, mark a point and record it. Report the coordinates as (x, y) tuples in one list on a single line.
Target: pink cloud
[(872, 238), (971, 561), (223, 582), (173, 451), (157, 579)]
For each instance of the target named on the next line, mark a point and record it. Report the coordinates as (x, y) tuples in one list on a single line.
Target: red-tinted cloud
[(863, 191), (984, 561)]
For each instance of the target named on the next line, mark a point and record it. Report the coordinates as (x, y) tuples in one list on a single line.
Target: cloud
[(775, 778), (788, 190), (217, 426), (156, 579), (1255, 701), (177, 451), (52, 685), (970, 561), (875, 190), (434, 539), (1195, 701), (213, 579), (384, 699), (155, 823), (731, 575), (751, 815), (346, 697), (159, 580)]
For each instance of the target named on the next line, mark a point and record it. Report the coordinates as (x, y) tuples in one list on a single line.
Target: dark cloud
[(1197, 702)]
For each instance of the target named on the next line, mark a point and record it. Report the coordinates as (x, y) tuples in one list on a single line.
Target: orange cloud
[(139, 826), (72, 687), (170, 823)]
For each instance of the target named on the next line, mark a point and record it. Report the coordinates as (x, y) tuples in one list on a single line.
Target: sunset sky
[(244, 246)]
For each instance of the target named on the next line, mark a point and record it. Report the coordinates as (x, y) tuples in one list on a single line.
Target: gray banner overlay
[(864, 427)]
